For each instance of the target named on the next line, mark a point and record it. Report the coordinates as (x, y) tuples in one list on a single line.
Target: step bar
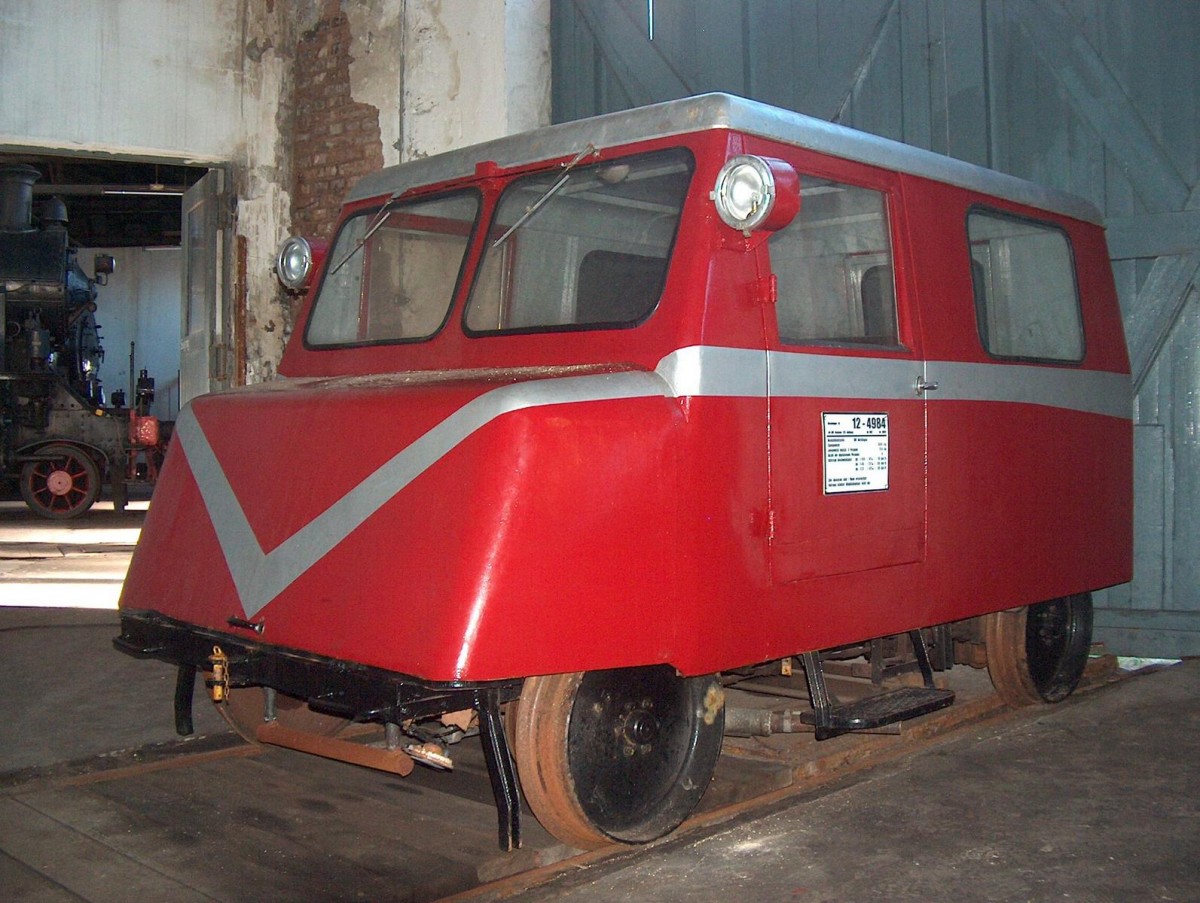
[(831, 719)]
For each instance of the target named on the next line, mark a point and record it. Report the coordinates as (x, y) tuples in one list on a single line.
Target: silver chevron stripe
[(259, 577), (694, 371)]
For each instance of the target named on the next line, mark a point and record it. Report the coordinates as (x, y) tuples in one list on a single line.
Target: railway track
[(217, 819)]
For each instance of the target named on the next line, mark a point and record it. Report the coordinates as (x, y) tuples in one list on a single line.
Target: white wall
[(189, 81), (141, 304), (473, 72), (160, 77), (208, 81)]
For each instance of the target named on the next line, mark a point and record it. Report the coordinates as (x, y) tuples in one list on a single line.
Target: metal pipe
[(746, 722), (394, 761), (16, 197)]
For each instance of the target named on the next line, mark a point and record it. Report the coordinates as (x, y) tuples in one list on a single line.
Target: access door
[(847, 418), (203, 362)]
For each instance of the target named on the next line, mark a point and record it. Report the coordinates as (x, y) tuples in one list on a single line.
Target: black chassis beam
[(351, 690), (346, 689)]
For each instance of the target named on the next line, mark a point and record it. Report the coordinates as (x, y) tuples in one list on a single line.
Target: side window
[(1026, 301), (834, 266)]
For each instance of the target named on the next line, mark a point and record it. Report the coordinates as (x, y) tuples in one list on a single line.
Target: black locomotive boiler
[(58, 437)]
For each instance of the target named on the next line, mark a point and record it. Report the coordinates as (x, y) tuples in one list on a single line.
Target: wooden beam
[(1153, 234), (834, 106), (1157, 309), (1101, 101), (645, 74)]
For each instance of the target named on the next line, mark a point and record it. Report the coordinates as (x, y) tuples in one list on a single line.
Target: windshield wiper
[(547, 194), (376, 223)]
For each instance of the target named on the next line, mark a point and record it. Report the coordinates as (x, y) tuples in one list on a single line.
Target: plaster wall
[(262, 176), (149, 77), (376, 65), (191, 81), (337, 136), (473, 72), (437, 74), (384, 80), (213, 81)]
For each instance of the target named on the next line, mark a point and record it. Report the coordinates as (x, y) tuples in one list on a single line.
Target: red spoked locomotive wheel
[(63, 483)]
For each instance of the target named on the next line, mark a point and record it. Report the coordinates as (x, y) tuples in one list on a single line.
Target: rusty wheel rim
[(621, 755), (1037, 654), (539, 724)]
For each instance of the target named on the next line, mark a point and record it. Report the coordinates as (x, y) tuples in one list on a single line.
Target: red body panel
[(517, 524), (657, 519)]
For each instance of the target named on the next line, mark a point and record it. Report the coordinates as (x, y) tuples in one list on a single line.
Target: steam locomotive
[(58, 438)]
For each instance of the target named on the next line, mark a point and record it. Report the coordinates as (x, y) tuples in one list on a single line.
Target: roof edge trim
[(726, 111)]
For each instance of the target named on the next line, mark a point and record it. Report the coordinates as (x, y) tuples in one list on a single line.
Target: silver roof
[(719, 111)]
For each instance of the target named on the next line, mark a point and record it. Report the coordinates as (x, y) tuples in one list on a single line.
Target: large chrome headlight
[(748, 192), (294, 262)]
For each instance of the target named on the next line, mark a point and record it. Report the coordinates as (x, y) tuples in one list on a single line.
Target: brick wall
[(335, 141)]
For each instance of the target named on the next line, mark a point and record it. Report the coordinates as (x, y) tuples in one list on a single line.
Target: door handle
[(923, 386)]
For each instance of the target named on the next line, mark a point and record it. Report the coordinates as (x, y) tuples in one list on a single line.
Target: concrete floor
[(1092, 800), (69, 695), (76, 563)]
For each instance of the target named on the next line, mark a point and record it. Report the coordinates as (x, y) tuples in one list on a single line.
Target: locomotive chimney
[(16, 197), (54, 213)]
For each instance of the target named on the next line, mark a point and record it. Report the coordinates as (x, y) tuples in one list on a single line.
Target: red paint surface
[(613, 533)]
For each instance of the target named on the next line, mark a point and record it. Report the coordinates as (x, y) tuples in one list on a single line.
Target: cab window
[(586, 249), (833, 264), (393, 273)]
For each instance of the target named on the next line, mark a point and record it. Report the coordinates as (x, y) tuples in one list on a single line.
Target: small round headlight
[(757, 193), (745, 192), (294, 263)]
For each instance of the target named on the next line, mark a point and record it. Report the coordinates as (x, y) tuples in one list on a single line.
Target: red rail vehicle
[(579, 425)]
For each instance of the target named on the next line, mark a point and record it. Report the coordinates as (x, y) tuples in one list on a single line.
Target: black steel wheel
[(1037, 654), (63, 483), (619, 755)]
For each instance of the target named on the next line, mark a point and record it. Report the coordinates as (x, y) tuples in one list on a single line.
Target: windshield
[(591, 254), (399, 285)]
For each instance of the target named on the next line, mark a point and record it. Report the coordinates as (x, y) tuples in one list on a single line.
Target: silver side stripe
[(1089, 391), (710, 370), (695, 371), (831, 376)]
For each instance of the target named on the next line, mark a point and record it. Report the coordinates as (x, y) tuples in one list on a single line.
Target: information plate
[(856, 452)]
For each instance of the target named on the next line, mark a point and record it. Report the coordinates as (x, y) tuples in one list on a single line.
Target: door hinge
[(766, 290), (762, 523), (219, 361)]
